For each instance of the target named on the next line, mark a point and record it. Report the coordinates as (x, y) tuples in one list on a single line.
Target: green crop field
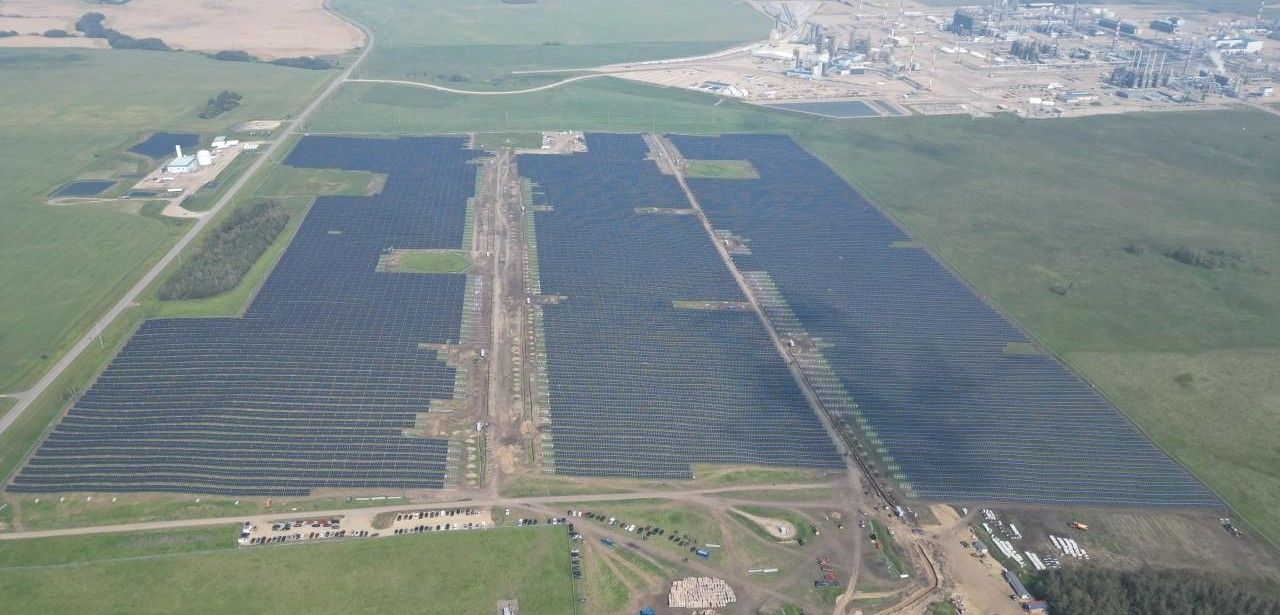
[(455, 573), (475, 44), (71, 119)]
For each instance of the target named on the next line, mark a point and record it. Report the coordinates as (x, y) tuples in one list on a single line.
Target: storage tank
[(204, 158)]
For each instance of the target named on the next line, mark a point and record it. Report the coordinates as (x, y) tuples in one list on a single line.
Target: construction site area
[(1035, 59)]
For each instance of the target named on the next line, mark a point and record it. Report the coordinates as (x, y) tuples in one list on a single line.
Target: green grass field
[(432, 261), (604, 104), (71, 119), (292, 182), (720, 169), (38, 552), (199, 571), (492, 141), (475, 44), (1018, 207)]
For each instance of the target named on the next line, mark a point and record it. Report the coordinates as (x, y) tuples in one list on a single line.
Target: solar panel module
[(640, 386), (920, 354), (314, 385)]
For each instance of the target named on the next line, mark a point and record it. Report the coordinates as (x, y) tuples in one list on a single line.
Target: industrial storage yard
[(1037, 60), (488, 325)]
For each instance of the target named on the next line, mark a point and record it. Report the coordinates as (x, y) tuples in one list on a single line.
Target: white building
[(181, 163)]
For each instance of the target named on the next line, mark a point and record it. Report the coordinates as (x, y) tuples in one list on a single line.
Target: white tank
[(204, 158)]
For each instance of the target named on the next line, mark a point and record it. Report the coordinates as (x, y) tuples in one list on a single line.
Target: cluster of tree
[(56, 33), (228, 253), (233, 55), (8, 33), (91, 25), (1092, 591), (303, 62), (1209, 258), (225, 101)]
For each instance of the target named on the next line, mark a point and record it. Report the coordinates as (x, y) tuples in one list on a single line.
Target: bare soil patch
[(780, 529)]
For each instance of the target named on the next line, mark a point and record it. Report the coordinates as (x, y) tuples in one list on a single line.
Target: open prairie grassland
[(169, 572), (64, 265), (475, 44)]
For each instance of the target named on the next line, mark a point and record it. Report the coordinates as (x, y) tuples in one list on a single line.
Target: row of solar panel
[(637, 386), (921, 354), (317, 383)]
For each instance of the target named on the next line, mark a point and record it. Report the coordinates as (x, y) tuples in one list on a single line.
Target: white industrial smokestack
[(178, 149)]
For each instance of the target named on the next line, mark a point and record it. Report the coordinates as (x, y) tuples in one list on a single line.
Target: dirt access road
[(693, 495)]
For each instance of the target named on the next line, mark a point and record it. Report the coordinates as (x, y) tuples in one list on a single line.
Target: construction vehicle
[(1076, 525)]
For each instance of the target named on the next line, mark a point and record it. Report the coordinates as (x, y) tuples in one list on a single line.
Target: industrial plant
[(1037, 59)]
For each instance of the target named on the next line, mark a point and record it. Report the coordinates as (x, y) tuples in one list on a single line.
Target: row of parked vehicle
[(440, 527), (432, 514)]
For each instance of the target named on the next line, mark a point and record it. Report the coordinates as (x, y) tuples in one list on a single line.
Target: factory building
[(964, 22), (181, 163)]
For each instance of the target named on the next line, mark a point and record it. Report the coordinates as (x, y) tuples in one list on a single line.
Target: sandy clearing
[(275, 29), (780, 529)]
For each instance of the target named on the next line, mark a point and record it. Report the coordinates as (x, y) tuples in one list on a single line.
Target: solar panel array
[(923, 356), (637, 386), (314, 386)]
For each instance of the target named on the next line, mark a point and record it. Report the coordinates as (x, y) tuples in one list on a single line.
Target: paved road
[(26, 398), (531, 501), (432, 86)]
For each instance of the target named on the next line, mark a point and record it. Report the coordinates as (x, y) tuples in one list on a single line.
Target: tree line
[(228, 253), (308, 62), (1093, 591), (91, 25)]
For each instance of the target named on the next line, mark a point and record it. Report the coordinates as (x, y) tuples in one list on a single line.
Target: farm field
[(401, 574), (284, 28), (69, 122), (475, 44)]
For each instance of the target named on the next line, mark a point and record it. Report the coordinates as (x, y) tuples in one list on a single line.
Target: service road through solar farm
[(334, 359), (663, 326)]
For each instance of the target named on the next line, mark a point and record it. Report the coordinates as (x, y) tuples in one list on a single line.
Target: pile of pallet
[(700, 593)]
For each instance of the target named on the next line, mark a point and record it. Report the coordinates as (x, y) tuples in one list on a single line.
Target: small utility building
[(181, 163)]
